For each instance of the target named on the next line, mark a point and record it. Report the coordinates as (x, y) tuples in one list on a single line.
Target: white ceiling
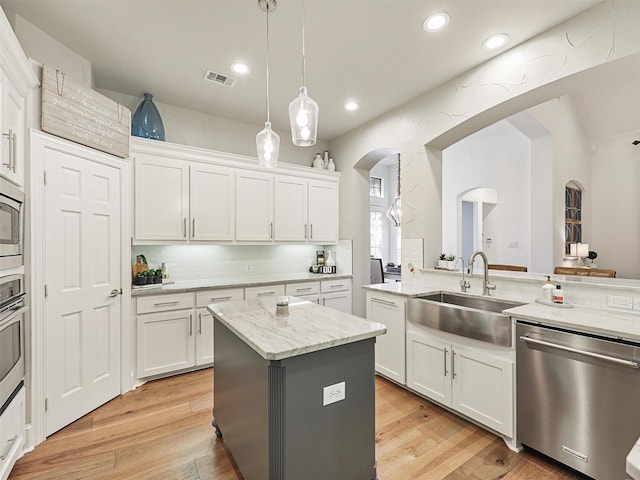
[(372, 51)]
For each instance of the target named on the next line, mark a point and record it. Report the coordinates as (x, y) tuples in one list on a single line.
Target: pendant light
[(303, 110), (395, 211), (267, 141)]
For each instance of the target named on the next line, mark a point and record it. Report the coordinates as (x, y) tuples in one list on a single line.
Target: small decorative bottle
[(331, 166), (318, 162)]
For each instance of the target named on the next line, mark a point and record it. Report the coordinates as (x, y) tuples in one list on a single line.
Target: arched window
[(572, 215)]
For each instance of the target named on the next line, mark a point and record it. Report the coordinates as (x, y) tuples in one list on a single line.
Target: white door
[(82, 274), (290, 209)]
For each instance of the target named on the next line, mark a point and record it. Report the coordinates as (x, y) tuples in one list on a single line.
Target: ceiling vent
[(219, 78)]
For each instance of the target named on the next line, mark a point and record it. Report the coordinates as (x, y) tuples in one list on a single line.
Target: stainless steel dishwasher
[(578, 398)]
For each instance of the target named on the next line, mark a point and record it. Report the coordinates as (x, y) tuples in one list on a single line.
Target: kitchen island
[(294, 395)]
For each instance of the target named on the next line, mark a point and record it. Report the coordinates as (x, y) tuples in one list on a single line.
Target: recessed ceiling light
[(436, 21), (495, 41), (240, 68), (351, 106)]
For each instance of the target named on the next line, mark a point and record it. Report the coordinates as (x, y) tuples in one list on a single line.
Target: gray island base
[(271, 405)]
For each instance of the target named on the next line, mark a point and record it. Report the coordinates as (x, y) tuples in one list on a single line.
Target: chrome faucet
[(464, 285), (486, 285)]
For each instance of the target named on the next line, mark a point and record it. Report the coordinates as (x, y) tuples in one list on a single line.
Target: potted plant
[(141, 278), (451, 262), (157, 275), (442, 261)]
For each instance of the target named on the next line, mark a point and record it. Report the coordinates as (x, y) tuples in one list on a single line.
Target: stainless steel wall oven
[(12, 343), (11, 225)]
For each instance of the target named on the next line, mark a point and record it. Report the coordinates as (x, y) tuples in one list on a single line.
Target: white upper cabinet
[(254, 206), (161, 198), (191, 195), (323, 211), (17, 82), (212, 203), (290, 204)]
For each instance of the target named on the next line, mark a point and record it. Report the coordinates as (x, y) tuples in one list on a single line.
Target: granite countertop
[(309, 327), (633, 461), (239, 281)]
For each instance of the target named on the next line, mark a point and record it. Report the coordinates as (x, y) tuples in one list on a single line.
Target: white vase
[(318, 162), (331, 166)]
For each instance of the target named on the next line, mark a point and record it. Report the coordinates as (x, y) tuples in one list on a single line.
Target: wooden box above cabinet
[(191, 195)]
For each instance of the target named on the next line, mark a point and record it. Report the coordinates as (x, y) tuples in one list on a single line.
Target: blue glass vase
[(146, 121)]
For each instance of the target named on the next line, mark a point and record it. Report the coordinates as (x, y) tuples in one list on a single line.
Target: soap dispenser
[(547, 290)]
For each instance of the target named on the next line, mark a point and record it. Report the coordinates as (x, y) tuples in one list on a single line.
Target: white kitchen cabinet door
[(429, 367), (482, 388), (323, 211), (340, 301), (12, 434), (204, 337), (161, 198), (390, 347), (13, 131), (165, 342), (254, 206), (212, 203), (290, 209)]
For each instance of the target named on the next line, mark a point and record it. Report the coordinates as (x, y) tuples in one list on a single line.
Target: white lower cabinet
[(475, 381), (336, 294), (12, 434), (255, 293), (390, 347), (178, 334)]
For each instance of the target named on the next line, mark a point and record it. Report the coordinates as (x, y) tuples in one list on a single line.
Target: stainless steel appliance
[(12, 312), (11, 227), (578, 398)]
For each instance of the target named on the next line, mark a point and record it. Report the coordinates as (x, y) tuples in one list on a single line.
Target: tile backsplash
[(195, 262)]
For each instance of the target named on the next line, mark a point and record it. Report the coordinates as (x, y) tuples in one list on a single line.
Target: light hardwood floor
[(162, 431)]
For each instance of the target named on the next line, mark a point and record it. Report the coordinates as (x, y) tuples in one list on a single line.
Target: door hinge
[(46, 291), (46, 404)]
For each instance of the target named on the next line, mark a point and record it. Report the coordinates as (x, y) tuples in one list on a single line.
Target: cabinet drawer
[(12, 426), (206, 297), (164, 303), (302, 288), (253, 293), (335, 285)]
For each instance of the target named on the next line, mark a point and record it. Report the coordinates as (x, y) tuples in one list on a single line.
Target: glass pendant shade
[(268, 144), (395, 212), (303, 117)]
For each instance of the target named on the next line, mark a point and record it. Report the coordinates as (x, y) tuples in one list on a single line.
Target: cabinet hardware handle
[(453, 364), (383, 302), (311, 231), (8, 448), (10, 151), (339, 286), (162, 304), (270, 229), (305, 231), (184, 227), (200, 323), (115, 292), (193, 228), (190, 324), (445, 362), (266, 294), (218, 299), (324, 301), (303, 289), (12, 138), (606, 358)]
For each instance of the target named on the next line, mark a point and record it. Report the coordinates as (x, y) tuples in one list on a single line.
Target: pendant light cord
[(398, 175), (304, 59), (268, 61)]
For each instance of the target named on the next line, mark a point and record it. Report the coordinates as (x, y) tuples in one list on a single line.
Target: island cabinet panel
[(271, 413)]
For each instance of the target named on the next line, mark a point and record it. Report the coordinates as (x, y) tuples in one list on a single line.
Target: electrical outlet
[(248, 267), (333, 393)]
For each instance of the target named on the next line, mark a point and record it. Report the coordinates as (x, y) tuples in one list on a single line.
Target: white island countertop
[(309, 327), (633, 461)]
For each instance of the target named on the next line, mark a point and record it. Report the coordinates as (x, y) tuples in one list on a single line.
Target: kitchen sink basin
[(480, 318)]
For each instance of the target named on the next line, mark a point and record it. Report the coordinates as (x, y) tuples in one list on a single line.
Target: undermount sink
[(480, 318)]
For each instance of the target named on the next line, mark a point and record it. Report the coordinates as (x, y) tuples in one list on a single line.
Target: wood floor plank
[(162, 431)]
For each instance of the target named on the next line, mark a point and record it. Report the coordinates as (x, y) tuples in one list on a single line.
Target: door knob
[(115, 292)]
